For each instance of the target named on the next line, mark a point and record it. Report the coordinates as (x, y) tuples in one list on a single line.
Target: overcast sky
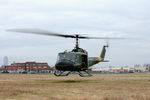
[(111, 18)]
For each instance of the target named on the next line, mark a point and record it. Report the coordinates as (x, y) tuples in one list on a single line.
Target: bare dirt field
[(74, 87)]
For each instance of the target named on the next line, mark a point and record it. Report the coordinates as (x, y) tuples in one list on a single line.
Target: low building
[(2, 69), (144, 68), (114, 69), (29, 67)]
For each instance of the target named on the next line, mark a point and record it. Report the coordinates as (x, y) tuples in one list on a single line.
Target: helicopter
[(74, 61)]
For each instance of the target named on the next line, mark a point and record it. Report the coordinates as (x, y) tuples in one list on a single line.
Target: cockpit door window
[(67, 56)]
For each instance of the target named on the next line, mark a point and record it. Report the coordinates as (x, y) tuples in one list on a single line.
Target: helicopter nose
[(64, 65)]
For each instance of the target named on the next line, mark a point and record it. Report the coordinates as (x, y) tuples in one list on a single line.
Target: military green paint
[(80, 59)]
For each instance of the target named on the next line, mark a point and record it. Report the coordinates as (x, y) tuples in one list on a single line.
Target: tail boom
[(94, 60)]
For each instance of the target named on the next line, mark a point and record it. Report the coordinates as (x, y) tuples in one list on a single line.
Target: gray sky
[(120, 18)]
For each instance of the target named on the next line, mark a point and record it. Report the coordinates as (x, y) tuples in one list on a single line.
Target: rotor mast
[(77, 42)]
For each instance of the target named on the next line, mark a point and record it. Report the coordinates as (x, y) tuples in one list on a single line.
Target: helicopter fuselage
[(75, 60), (72, 61)]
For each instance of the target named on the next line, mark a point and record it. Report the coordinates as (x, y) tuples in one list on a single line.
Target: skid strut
[(84, 73), (61, 73)]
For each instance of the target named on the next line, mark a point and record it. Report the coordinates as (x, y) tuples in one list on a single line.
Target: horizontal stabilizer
[(105, 61)]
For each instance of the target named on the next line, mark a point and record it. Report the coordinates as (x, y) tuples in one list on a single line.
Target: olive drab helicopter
[(76, 60)]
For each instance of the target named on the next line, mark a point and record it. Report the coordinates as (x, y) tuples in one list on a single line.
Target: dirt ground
[(74, 87)]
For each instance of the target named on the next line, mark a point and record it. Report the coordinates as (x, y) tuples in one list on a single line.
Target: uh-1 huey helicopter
[(76, 60)]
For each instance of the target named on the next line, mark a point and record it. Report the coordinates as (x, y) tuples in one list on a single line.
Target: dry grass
[(73, 87)]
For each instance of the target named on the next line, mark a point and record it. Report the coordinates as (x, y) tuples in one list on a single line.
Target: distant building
[(2, 69), (29, 67), (5, 60), (114, 69), (144, 68), (147, 67), (138, 68)]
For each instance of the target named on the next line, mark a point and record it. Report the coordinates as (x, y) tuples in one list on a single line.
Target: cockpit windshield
[(67, 56)]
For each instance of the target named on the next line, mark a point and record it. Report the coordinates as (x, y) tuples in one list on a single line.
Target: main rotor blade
[(102, 37), (84, 37), (43, 32), (40, 32)]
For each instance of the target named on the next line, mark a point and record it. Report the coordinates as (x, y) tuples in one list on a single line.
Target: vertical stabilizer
[(102, 56), (94, 60)]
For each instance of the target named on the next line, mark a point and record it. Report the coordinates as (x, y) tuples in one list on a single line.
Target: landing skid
[(66, 73), (61, 73), (84, 74)]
